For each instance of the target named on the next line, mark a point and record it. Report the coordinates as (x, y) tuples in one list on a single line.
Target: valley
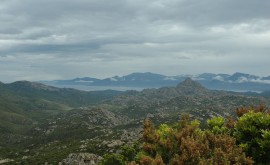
[(40, 123)]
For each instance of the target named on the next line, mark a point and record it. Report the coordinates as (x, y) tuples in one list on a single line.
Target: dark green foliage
[(110, 159), (252, 131), (127, 154), (130, 152), (217, 125)]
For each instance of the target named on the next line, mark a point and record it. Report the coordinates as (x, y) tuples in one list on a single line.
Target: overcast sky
[(63, 39)]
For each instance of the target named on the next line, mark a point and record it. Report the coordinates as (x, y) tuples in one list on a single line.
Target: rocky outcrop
[(91, 117), (191, 87), (3, 161), (81, 159)]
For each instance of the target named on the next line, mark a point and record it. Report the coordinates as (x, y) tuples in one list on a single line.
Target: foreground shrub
[(242, 140), (188, 144), (252, 131), (111, 159)]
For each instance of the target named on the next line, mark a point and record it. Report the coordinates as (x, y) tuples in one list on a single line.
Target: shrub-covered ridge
[(241, 140)]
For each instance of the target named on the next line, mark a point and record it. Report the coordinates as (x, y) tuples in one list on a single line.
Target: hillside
[(25, 104), (50, 123), (188, 96)]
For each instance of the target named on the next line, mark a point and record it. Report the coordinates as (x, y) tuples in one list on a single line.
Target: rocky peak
[(189, 86)]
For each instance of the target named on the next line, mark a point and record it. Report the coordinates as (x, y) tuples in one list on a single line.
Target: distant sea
[(98, 88)]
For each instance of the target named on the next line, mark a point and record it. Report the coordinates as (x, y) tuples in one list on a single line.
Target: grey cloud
[(8, 31), (210, 12), (123, 36)]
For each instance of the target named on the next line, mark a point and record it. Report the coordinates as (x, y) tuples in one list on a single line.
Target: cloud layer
[(58, 39)]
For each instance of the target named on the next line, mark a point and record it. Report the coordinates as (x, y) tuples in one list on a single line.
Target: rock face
[(189, 86), (92, 117), (81, 159)]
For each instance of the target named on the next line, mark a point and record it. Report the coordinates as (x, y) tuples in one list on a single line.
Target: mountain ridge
[(235, 82)]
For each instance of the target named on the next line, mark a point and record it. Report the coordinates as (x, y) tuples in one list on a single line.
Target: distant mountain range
[(236, 82)]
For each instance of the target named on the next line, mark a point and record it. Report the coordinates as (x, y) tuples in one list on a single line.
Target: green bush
[(188, 144), (252, 131), (228, 141), (111, 159)]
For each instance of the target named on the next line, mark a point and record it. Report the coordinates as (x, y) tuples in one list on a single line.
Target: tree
[(252, 131)]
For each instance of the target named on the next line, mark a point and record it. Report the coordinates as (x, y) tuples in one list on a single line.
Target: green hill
[(24, 104), (45, 124)]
